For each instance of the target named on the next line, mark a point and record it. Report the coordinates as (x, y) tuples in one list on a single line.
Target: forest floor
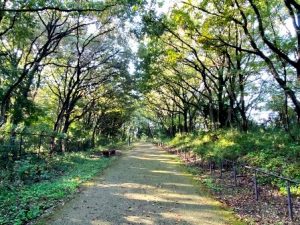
[(146, 186)]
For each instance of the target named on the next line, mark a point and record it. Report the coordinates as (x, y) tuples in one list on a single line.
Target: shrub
[(273, 150)]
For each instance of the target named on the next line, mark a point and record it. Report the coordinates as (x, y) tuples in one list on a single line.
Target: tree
[(31, 33), (263, 23), (217, 76), (24, 55)]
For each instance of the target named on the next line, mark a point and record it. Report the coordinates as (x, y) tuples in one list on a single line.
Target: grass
[(24, 198), (272, 150)]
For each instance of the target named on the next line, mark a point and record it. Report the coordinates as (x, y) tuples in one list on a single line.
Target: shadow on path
[(146, 186)]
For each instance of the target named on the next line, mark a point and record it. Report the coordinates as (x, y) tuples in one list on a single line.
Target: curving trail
[(145, 186)]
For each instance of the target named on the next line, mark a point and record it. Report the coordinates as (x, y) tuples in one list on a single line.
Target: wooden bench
[(109, 152)]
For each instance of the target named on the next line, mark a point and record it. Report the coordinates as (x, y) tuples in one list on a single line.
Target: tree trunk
[(185, 121)]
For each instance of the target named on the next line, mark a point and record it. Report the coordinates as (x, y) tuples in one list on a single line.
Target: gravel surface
[(145, 186)]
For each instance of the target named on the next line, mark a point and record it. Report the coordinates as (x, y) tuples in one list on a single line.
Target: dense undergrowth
[(34, 184), (273, 150)]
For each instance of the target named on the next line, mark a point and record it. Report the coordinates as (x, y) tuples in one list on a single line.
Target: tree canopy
[(212, 64), (203, 65), (64, 65)]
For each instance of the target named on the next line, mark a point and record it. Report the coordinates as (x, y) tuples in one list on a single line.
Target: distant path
[(146, 186)]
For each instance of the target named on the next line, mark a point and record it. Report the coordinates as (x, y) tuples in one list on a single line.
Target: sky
[(166, 5)]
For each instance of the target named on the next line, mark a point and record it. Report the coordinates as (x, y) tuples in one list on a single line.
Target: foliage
[(203, 70), (207, 65), (35, 184), (269, 149), (64, 72)]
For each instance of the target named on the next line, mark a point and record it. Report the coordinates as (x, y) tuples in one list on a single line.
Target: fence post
[(12, 143), (40, 143), (221, 169), (67, 149), (78, 146), (20, 147), (52, 144), (255, 185), (234, 174), (129, 141), (289, 198), (60, 144)]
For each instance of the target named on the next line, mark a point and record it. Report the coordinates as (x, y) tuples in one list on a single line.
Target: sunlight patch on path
[(146, 186)]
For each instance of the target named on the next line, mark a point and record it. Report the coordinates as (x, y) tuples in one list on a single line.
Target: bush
[(273, 150), (36, 184)]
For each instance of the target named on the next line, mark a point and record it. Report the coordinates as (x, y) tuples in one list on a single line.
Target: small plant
[(272, 150), (209, 183), (34, 185)]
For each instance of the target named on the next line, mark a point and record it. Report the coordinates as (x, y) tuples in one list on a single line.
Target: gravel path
[(145, 186)]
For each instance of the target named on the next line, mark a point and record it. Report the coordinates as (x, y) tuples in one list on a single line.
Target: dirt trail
[(146, 186)]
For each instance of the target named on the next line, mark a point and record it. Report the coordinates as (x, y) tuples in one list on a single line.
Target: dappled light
[(141, 188), (139, 220), (84, 83), (168, 172)]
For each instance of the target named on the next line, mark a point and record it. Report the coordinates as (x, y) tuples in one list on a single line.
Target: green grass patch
[(39, 184), (273, 150)]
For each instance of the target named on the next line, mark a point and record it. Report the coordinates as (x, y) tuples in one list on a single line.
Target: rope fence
[(257, 186), (15, 145)]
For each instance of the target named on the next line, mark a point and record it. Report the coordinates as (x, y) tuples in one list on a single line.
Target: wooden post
[(235, 175), (255, 185), (78, 146), (40, 143), (221, 169), (52, 144), (289, 198), (21, 144)]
